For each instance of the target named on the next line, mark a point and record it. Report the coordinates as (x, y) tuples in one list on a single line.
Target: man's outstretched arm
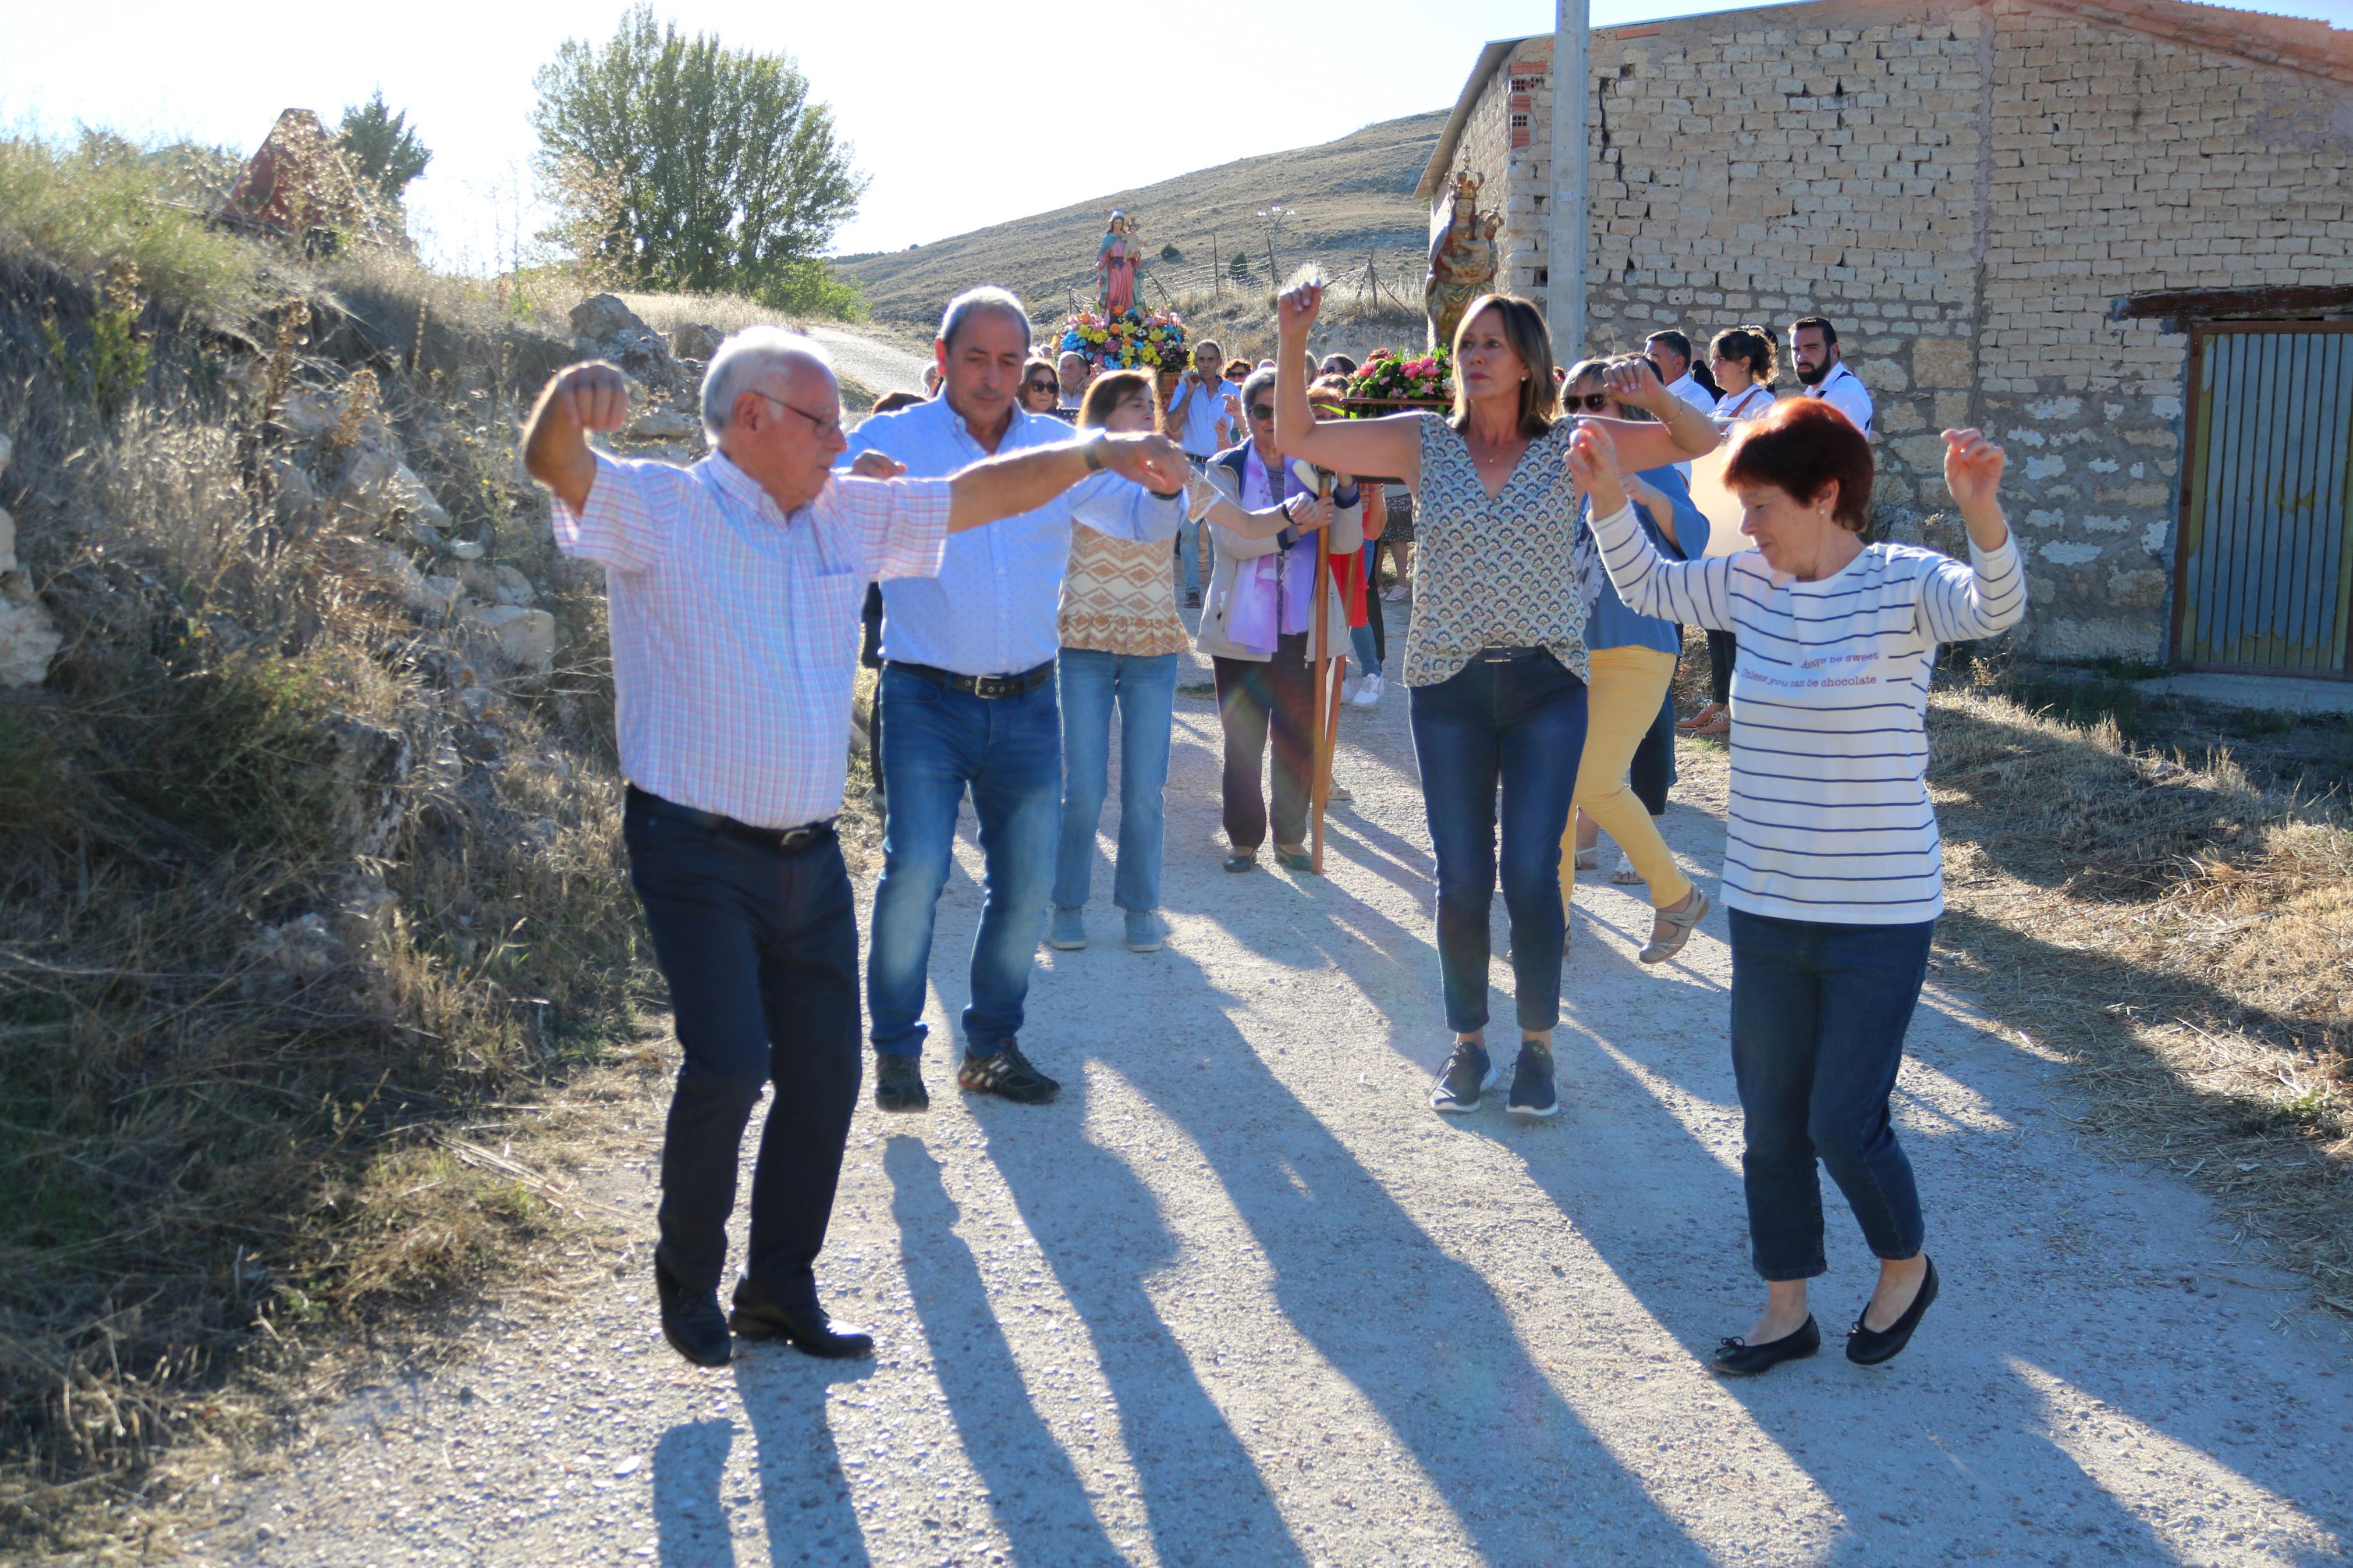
[(1017, 483)]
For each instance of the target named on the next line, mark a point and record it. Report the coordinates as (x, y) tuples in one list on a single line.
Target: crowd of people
[(1030, 523)]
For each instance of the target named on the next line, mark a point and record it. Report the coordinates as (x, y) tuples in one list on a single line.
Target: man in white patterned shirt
[(734, 589)]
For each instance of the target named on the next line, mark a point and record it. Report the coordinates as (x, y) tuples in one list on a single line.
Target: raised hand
[(1295, 309), (1637, 383), (873, 465), (1973, 468), (592, 395), (1593, 464)]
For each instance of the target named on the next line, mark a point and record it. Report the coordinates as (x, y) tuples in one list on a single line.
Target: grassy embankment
[(310, 885)]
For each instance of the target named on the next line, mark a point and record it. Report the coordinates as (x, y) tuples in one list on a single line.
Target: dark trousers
[(1521, 725), (1722, 648), (1256, 697), (760, 947), (1373, 617), (1652, 772), (1819, 1013)]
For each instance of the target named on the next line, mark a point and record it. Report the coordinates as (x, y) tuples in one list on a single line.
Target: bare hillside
[(1352, 195)]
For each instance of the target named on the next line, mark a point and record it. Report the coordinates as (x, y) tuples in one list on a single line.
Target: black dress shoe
[(691, 1320), (1242, 861), (1738, 1358), (1293, 859), (808, 1329), (1869, 1347)]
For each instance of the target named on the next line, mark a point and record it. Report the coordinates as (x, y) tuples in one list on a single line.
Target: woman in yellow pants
[(1633, 661)]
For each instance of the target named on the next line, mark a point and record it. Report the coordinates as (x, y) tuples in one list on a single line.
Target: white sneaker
[(1368, 692)]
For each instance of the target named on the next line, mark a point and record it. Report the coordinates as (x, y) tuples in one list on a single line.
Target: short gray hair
[(744, 355), (1260, 381), (987, 297)]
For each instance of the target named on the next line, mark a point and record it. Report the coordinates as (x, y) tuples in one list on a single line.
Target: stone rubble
[(29, 639)]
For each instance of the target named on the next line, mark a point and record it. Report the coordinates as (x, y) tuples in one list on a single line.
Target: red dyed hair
[(1800, 447)]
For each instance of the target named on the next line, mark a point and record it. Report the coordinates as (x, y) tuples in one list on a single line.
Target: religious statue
[(1461, 259), (1116, 264)]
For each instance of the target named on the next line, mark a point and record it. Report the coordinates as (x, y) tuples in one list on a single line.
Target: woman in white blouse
[(1832, 870)]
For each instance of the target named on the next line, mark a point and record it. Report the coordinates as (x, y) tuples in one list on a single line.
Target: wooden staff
[(1326, 718)]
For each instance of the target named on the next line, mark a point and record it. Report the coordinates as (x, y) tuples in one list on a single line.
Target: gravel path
[(884, 367), (1241, 1298)]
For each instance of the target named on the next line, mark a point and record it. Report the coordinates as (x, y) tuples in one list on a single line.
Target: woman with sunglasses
[(1256, 623), (1495, 661), (1120, 637), (1633, 661), (1040, 388)]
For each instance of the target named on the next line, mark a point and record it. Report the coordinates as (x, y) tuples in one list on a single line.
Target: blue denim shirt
[(1615, 626), (993, 608)]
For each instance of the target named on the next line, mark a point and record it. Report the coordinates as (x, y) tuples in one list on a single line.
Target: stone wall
[(1963, 191)]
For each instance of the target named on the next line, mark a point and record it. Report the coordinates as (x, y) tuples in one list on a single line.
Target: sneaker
[(1006, 1072), (1368, 692), (899, 1084), (1192, 598), (1067, 932), (1144, 932), (1532, 1092), (1468, 1075)]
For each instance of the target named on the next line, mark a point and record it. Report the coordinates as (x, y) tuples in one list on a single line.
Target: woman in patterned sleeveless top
[(1495, 660)]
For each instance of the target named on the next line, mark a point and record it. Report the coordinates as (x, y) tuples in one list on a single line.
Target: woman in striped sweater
[(1832, 870)]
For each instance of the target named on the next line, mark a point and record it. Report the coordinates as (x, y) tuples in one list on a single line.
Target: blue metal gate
[(2263, 563)]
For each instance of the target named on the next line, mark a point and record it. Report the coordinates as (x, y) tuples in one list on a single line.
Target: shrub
[(102, 206)]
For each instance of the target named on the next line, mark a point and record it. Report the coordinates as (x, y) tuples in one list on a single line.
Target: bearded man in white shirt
[(1823, 371)]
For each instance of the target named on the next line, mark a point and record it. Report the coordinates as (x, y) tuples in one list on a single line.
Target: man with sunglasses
[(968, 696), (734, 588)]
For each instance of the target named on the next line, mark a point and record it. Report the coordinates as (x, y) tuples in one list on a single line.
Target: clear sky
[(965, 115)]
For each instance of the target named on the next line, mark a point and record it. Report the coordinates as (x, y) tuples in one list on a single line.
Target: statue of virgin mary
[(1115, 265)]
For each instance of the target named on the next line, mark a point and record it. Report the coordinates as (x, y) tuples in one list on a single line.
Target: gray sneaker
[(1144, 931), (1468, 1074), (1067, 932)]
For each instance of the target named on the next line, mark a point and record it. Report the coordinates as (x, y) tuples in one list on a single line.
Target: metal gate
[(2263, 563)]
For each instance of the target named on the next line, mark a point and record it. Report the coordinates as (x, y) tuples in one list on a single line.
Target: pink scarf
[(1270, 598)]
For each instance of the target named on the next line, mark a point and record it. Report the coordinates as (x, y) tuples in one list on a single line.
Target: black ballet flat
[(1869, 1347), (1738, 1358)]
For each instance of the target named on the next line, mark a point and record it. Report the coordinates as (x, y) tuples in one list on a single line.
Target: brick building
[(2114, 232)]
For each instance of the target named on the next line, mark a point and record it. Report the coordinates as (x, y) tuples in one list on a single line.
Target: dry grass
[(305, 896)]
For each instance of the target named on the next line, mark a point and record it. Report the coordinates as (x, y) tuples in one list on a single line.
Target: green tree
[(730, 180), (1169, 253), (382, 147), (1238, 268)]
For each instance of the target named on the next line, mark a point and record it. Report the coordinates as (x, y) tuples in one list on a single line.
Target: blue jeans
[(1009, 750), (1146, 689), (1368, 658), (1522, 724), (1819, 1013)]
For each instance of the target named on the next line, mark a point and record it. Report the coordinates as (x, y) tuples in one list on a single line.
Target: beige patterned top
[(1119, 596), (1493, 574)]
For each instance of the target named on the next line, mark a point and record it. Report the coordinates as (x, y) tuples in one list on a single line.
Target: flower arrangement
[(1132, 340), (1387, 376)]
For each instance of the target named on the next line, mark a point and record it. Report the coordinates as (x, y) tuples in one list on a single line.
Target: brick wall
[(1963, 191)]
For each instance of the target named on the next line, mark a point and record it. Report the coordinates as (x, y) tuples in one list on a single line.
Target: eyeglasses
[(1040, 386), (1262, 411), (1595, 400), (827, 429)]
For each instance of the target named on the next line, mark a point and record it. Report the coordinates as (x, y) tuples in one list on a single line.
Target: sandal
[(1625, 875), (1709, 713), (1587, 859), (1679, 929)]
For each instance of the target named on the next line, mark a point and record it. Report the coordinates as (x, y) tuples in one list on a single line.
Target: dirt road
[(1241, 1298), (871, 362)]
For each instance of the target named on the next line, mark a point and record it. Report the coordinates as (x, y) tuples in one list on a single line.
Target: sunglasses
[(1262, 411), (1595, 400), (1041, 386)]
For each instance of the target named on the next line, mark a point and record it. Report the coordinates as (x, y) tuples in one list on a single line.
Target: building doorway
[(2264, 562)]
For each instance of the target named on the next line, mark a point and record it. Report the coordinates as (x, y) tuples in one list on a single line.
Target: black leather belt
[(1019, 685), (1507, 654), (786, 838)]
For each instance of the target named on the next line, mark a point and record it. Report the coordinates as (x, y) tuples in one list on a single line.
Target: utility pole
[(1571, 202)]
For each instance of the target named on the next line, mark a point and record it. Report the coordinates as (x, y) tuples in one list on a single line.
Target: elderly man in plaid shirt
[(735, 587)]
